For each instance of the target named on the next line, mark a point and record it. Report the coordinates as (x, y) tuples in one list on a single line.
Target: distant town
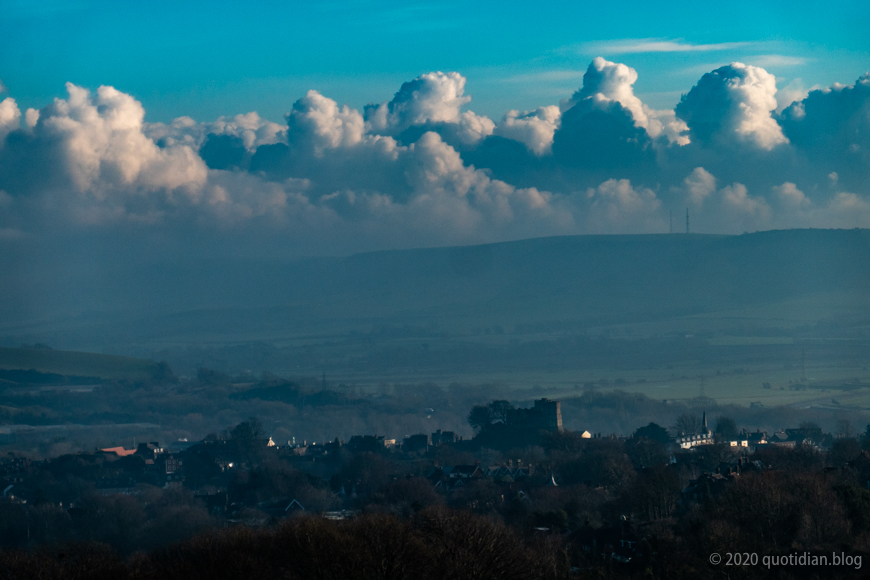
[(603, 498)]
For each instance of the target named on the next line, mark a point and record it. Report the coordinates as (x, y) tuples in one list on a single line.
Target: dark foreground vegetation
[(562, 506), (435, 543), (439, 542), (763, 514)]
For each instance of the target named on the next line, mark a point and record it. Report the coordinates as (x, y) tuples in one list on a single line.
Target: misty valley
[(434, 290), (550, 408)]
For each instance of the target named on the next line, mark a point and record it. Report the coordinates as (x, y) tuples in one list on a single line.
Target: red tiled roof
[(119, 451)]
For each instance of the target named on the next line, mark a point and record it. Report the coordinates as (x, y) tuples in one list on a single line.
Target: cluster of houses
[(112, 470), (209, 464), (450, 478), (753, 440)]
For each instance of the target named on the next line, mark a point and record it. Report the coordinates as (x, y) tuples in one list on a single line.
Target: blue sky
[(139, 133), (206, 59), (156, 128)]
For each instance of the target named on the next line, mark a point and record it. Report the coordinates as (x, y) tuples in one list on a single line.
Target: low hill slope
[(77, 364), (583, 281)]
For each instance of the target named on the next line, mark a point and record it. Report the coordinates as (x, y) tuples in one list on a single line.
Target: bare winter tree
[(687, 425), (845, 429)]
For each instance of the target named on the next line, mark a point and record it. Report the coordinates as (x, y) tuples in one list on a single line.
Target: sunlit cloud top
[(305, 132)]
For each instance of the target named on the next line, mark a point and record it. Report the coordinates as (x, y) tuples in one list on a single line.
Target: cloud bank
[(422, 169)]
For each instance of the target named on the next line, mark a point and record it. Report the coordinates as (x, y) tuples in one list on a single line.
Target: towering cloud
[(830, 128), (430, 101), (316, 123), (421, 169), (90, 153), (732, 105), (606, 82)]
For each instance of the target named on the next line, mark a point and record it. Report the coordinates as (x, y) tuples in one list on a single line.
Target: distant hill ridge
[(590, 280), (635, 273)]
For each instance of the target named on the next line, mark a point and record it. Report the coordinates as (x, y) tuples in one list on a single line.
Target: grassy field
[(825, 385), (71, 363)]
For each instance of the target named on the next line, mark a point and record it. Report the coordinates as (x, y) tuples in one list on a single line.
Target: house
[(13, 469), (452, 477), (148, 450), (509, 469), (119, 451), (782, 439), (467, 471), (332, 447), (169, 468), (281, 508), (690, 441), (754, 439)]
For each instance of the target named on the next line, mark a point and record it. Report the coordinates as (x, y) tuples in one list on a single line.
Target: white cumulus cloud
[(606, 82), (534, 129), (733, 104), (319, 123), (699, 185), (101, 144), (421, 170), (432, 98), (10, 117), (616, 206), (792, 197)]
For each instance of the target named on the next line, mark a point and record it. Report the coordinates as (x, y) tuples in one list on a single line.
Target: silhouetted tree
[(249, 430), (467, 546), (500, 410), (844, 428), (564, 441), (654, 432), (726, 428), (654, 493), (843, 450), (645, 452), (480, 417), (687, 424), (856, 500)]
